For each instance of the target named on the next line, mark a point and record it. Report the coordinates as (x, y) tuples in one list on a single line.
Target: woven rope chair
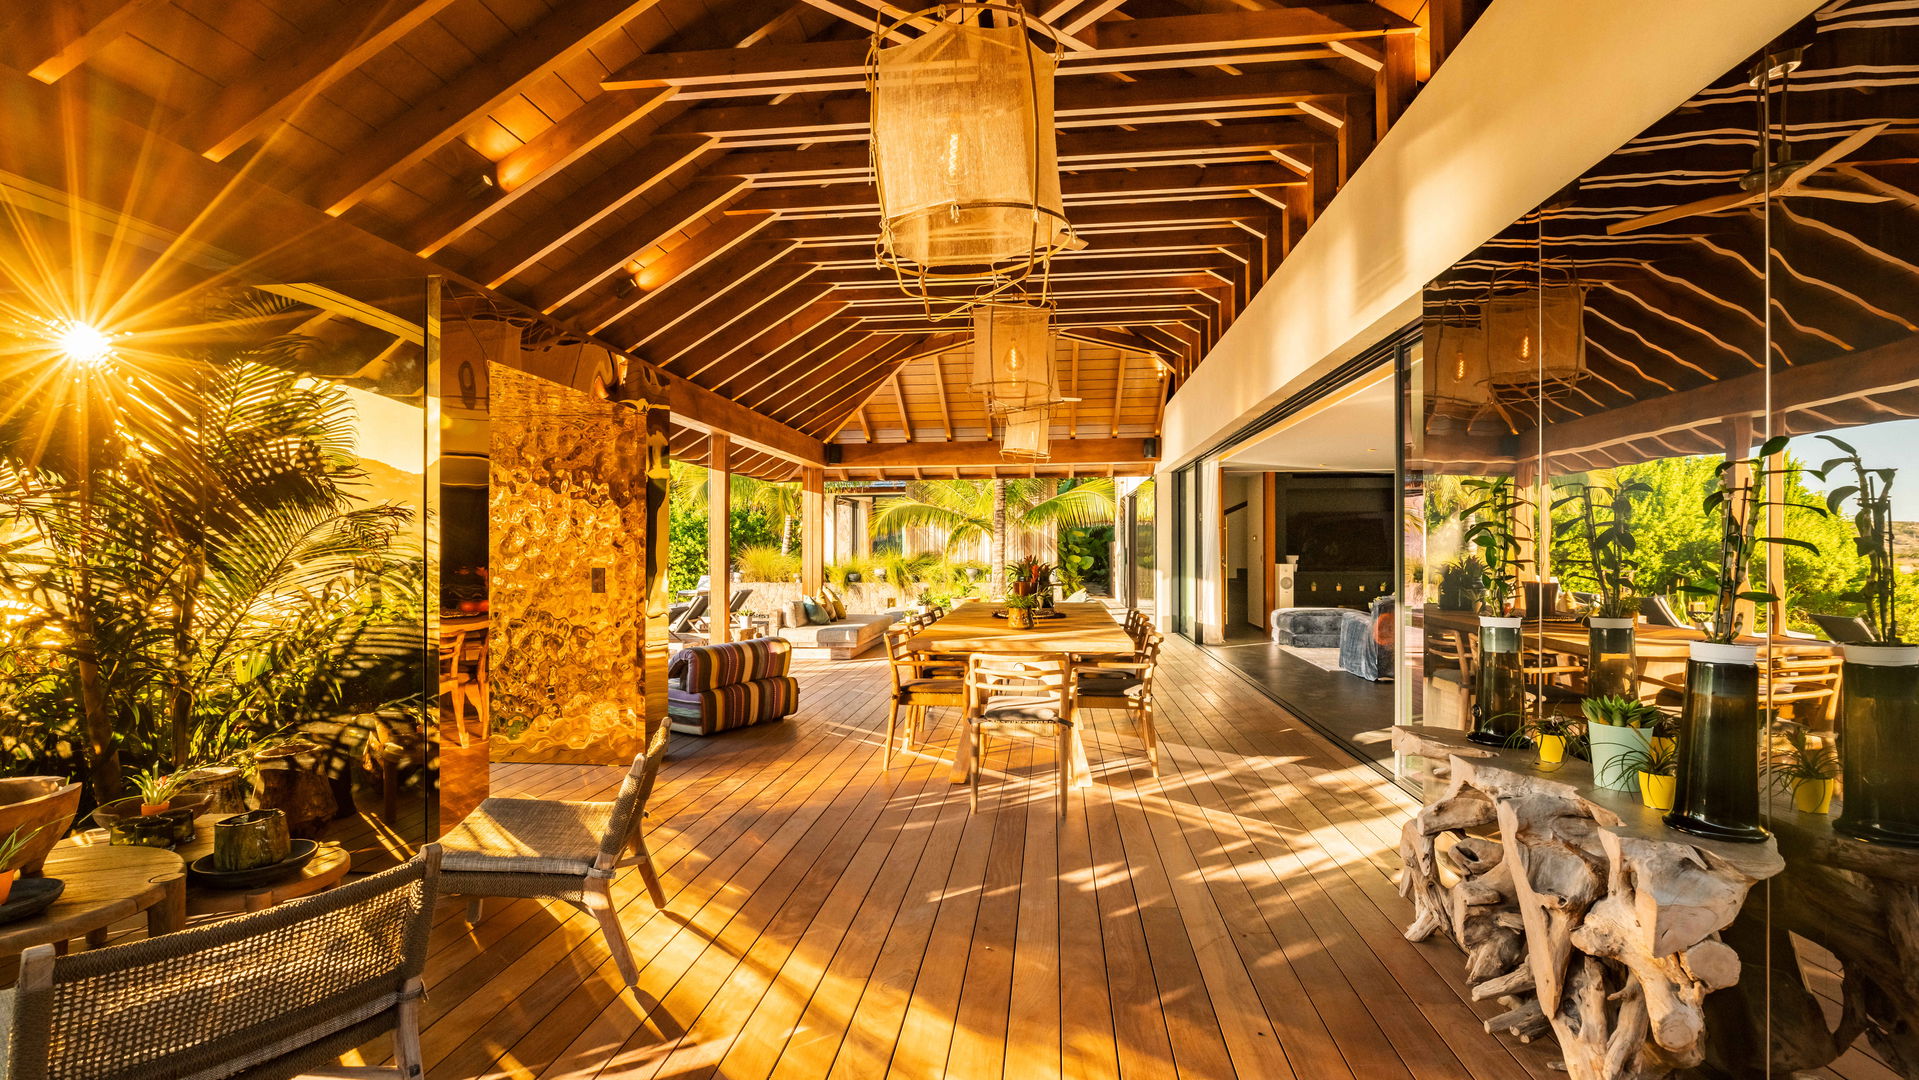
[(1126, 684), (1032, 696), (545, 848), (918, 685), (277, 993)]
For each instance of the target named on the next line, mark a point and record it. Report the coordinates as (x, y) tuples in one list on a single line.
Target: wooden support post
[(812, 530), (719, 538), (1268, 544), (1738, 446), (1395, 83)]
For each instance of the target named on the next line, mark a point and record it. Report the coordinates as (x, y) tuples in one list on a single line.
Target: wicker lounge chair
[(277, 993), (563, 850)]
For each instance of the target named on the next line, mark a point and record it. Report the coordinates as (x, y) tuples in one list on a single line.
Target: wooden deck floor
[(1232, 917)]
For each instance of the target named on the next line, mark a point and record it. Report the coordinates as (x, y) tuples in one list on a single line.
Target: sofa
[(715, 688), (1307, 627), (1366, 640), (843, 638)]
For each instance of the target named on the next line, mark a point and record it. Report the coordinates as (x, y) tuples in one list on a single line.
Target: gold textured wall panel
[(568, 572)]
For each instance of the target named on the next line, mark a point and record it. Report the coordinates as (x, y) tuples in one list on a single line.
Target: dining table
[(1085, 628)]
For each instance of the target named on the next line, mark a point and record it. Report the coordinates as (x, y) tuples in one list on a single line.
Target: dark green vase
[(1499, 694), (1718, 790), (1611, 670), (1877, 749)]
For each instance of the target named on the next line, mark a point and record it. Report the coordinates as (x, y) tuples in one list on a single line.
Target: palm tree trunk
[(786, 535), (103, 746), (999, 537)]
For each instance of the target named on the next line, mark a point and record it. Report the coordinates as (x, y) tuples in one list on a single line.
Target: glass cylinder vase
[(1718, 751), (1879, 758), (1499, 693), (1611, 669)]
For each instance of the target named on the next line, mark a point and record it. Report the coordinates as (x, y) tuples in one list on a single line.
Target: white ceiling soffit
[(1349, 432)]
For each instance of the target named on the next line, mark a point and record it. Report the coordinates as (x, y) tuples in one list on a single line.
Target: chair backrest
[(297, 984), (898, 659), (629, 806), (1659, 611), (738, 601), (1846, 630), (1048, 675)]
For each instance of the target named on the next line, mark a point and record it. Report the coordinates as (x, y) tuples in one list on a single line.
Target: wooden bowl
[(46, 803)]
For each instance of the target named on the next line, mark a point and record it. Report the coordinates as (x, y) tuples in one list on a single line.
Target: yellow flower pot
[(1662, 747), (1656, 791), (1552, 749), (1812, 796)]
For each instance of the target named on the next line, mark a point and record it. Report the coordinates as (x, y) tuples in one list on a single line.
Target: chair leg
[(892, 727), (475, 910), (407, 1056), (1064, 751), (600, 902), (973, 770), (1150, 736), (649, 875)]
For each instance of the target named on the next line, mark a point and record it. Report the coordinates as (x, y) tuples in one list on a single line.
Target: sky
[(1890, 445)]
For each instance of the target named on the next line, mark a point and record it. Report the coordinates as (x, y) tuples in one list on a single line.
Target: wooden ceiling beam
[(750, 373), (1140, 286), (1198, 97), (788, 68), (1099, 266), (296, 70), (697, 407), (1172, 180), (659, 162), (1193, 144), (486, 84), (630, 242), (732, 320), (48, 39), (1216, 238), (676, 287), (899, 402), (968, 452), (577, 134), (792, 391), (754, 338), (827, 412)]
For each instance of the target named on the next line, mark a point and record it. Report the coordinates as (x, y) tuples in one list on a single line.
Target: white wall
[(1537, 92)]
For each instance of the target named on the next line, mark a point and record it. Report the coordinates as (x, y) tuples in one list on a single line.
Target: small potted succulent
[(157, 789), (1657, 770), (1550, 735), (1806, 770), (1616, 726)]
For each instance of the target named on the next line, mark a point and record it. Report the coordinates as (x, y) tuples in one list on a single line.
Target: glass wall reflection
[(1670, 421)]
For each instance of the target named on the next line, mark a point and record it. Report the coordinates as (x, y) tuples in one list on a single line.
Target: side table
[(104, 884)]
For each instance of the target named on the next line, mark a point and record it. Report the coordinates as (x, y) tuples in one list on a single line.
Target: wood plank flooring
[(1232, 917)]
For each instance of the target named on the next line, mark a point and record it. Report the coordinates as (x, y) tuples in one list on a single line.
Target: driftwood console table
[(1576, 907)]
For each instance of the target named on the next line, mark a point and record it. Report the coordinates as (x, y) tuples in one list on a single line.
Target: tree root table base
[(1577, 908)]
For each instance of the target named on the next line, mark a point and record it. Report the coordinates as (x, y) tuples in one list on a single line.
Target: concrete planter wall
[(866, 597)]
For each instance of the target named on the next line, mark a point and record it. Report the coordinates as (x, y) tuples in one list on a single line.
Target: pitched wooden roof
[(688, 179)]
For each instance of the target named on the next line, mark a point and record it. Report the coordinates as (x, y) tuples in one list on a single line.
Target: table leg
[(96, 938), (170, 913)]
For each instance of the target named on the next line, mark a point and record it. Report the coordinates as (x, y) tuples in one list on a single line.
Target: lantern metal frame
[(1034, 443), (996, 279), (984, 382)]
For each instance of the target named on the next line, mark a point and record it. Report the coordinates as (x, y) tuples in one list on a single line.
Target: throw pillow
[(815, 612), (795, 613), (830, 597)]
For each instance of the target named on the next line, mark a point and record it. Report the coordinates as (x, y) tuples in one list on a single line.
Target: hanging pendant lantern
[(1457, 356), (1013, 357), (1536, 338), (1026, 435), (963, 147)]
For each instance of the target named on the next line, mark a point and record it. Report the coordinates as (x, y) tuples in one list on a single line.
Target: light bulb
[(1013, 360), (953, 158), (82, 343)]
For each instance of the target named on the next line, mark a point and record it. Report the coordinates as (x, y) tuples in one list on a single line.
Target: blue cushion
[(815, 612)]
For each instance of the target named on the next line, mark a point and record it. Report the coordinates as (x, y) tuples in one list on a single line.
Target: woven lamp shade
[(1457, 354), (964, 154), (1536, 337), (1027, 434), (1013, 357)]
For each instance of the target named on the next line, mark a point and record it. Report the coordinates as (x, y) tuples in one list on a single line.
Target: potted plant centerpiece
[(1602, 517), (1655, 769), (1717, 794), (1615, 727), (1805, 771), (1028, 582), (1879, 682), (1499, 695)]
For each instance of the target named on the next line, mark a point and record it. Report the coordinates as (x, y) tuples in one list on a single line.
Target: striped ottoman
[(715, 688)]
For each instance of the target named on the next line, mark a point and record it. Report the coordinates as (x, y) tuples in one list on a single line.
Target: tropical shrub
[(765, 563)]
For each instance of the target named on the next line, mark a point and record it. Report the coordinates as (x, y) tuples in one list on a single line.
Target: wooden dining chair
[(1032, 696), (1128, 685), (918, 686)]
